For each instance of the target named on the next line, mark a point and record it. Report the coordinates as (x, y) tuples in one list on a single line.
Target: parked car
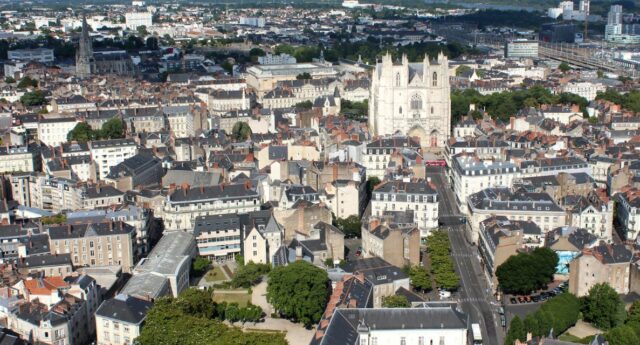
[(521, 299), (535, 298), (501, 310), (514, 300), (444, 294)]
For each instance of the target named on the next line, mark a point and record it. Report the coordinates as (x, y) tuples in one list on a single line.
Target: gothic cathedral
[(412, 99), (84, 55)]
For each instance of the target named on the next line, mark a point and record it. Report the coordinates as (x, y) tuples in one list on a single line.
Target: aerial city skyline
[(341, 172)]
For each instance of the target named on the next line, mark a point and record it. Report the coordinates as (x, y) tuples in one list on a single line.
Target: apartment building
[(396, 243), (514, 205), (499, 239), (119, 320), (553, 166), (184, 204), (432, 324), (628, 211), (95, 244), (378, 153), (218, 237), (109, 153), (19, 159), (593, 212), (419, 196), (181, 120), (54, 131), (262, 236), (470, 174), (605, 263)]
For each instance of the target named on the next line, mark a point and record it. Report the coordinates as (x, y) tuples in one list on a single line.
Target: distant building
[(280, 59), (558, 32), (521, 49), (253, 21), (43, 55), (134, 20), (385, 277)]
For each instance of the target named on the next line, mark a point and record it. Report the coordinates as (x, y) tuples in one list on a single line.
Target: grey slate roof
[(125, 308), (343, 328)]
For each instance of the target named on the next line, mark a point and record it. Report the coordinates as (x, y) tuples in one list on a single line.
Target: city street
[(475, 296)]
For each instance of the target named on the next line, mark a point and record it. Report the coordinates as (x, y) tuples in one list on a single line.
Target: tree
[(249, 274), (350, 226), (395, 301), (196, 302), (168, 324), (142, 31), (27, 82), (299, 291), (9, 80), (82, 132), (603, 307), (544, 321), (372, 182), (531, 325), (622, 335), (56, 219), (306, 105), (112, 129), (303, 76), (527, 272), (199, 266), (33, 98), (634, 312), (227, 66), (442, 267), (564, 67), (516, 331), (152, 43), (462, 69), (563, 311), (241, 131), (420, 278)]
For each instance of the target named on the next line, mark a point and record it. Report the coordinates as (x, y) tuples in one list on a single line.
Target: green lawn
[(242, 298), (215, 275), (572, 338)]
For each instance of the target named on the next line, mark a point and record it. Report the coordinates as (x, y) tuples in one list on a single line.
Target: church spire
[(84, 56)]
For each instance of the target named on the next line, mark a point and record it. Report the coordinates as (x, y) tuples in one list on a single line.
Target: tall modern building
[(411, 98), (614, 22), (84, 56)]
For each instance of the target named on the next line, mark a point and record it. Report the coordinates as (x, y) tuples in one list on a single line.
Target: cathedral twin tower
[(412, 99)]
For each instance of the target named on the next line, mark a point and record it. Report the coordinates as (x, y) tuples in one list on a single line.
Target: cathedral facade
[(411, 98)]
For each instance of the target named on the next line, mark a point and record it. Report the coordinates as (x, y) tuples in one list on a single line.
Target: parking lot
[(525, 305)]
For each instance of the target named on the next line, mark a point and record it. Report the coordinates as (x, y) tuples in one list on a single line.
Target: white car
[(444, 294)]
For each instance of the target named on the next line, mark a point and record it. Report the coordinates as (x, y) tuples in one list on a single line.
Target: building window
[(397, 79), (403, 341), (416, 102), (435, 79)]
